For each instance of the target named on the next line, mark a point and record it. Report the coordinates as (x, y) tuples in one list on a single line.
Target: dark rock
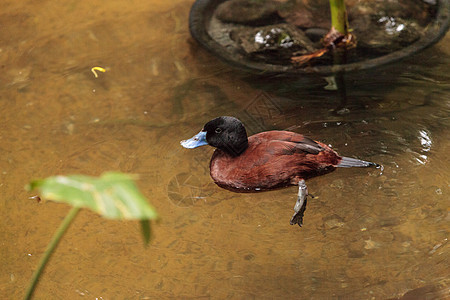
[(383, 34), (273, 43), (316, 13), (248, 12), (419, 11), (306, 13)]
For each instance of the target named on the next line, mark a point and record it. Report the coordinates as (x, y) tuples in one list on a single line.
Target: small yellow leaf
[(100, 69)]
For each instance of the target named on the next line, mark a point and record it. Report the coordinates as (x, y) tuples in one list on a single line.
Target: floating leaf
[(112, 195)]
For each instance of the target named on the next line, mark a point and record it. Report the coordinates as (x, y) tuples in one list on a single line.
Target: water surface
[(368, 234)]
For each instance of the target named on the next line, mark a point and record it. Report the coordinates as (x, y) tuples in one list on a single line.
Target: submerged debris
[(332, 40), (273, 43)]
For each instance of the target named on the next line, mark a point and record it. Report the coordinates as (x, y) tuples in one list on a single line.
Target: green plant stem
[(339, 18), (50, 248)]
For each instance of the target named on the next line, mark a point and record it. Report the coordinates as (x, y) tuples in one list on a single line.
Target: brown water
[(368, 234)]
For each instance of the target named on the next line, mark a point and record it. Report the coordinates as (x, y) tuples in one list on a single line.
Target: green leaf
[(112, 195)]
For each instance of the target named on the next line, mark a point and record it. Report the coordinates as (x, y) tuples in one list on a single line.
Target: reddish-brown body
[(273, 159)]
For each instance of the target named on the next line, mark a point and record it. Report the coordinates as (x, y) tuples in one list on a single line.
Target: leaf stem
[(339, 18), (49, 251)]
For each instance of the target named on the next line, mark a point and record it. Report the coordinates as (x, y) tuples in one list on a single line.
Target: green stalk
[(339, 18), (49, 251)]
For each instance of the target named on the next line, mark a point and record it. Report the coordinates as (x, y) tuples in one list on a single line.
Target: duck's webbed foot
[(300, 205)]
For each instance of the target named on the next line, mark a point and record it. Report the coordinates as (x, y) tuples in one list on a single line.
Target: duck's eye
[(218, 130)]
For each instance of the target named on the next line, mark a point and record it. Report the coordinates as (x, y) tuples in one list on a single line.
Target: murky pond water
[(369, 233)]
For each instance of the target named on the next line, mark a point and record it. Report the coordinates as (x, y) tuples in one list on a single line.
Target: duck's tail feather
[(348, 162)]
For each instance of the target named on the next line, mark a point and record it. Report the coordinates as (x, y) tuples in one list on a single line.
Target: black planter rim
[(200, 16)]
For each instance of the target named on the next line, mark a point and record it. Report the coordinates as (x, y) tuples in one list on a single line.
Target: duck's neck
[(235, 149)]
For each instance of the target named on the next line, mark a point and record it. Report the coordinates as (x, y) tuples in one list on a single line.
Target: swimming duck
[(266, 160)]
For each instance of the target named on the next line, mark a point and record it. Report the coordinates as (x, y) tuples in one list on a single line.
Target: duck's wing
[(288, 143), (306, 145)]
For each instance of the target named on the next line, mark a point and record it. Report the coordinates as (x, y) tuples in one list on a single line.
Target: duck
[(267, 160)]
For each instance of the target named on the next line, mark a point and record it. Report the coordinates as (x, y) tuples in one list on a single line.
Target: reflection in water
[(369, 234), (425, 141)]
